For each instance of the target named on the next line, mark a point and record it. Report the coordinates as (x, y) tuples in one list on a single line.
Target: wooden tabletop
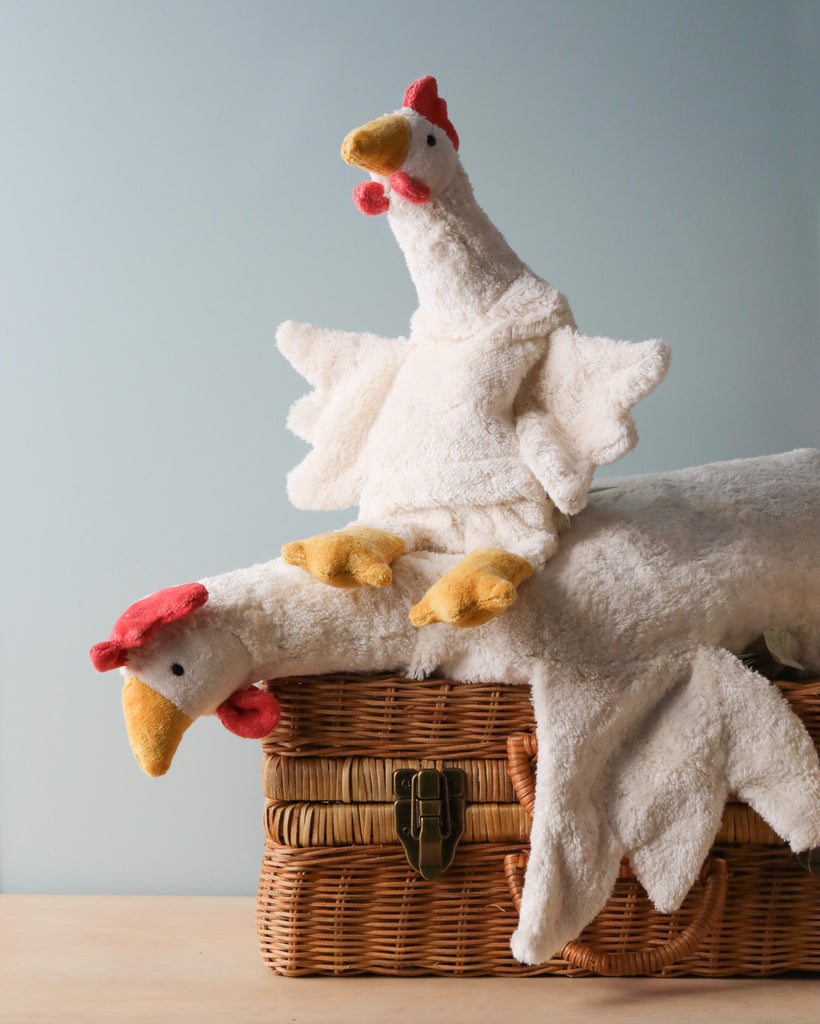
[(167, 959)]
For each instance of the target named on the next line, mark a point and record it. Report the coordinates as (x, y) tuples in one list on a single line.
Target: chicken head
[(411, 153), (177, 667)]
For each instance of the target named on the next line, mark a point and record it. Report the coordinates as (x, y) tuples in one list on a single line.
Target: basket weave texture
[(337, 896)]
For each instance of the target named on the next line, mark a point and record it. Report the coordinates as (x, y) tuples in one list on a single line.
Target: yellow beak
[(155, 726), (379, 146)]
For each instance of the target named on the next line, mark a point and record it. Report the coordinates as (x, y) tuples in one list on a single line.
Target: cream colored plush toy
[(475, 432)]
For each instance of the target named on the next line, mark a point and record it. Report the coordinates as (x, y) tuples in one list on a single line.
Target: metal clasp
[(428, 815)]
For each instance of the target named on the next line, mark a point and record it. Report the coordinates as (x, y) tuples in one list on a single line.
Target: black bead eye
[(177, 669), (431, 140)]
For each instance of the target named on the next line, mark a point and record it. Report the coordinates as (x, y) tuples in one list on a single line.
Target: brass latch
[(428, 815)]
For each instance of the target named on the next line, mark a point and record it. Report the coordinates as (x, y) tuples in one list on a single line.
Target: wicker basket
[(337, 895)]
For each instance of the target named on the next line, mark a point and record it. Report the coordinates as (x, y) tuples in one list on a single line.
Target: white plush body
[(494, 411), (645, 720)]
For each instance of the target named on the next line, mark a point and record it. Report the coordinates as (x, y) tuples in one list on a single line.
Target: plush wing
[(352, 375), (573, 413)]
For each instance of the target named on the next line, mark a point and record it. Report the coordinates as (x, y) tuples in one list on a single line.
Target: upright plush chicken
[(473, 433)]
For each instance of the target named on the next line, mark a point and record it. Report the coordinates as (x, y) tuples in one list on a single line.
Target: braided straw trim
[(302, 824), (370, 779), (318, 824)]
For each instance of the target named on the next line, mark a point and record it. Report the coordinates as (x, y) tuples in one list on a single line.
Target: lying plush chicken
[(645, 720), (473, 433)]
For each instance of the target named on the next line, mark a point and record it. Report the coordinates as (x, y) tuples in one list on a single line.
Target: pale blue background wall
[(171, 189)]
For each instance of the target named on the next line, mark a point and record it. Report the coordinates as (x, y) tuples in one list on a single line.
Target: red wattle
[(410, 189), (251, 713), (370, 198)]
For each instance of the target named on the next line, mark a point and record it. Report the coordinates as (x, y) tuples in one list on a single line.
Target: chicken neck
[(459, 261)]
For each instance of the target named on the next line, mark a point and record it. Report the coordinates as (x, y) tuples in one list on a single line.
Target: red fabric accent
[(410, 189), (138, 623), (422, 96), (251, 713), (370, 198), (107, 655)]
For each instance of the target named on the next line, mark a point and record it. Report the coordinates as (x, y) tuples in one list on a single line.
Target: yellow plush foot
[(480, 586), (358, 556)]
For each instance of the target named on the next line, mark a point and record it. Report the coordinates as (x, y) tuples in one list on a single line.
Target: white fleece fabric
[(494, 411), (645, 717)]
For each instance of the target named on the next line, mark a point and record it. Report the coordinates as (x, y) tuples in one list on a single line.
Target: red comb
[(138, 623), (423, 97)]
